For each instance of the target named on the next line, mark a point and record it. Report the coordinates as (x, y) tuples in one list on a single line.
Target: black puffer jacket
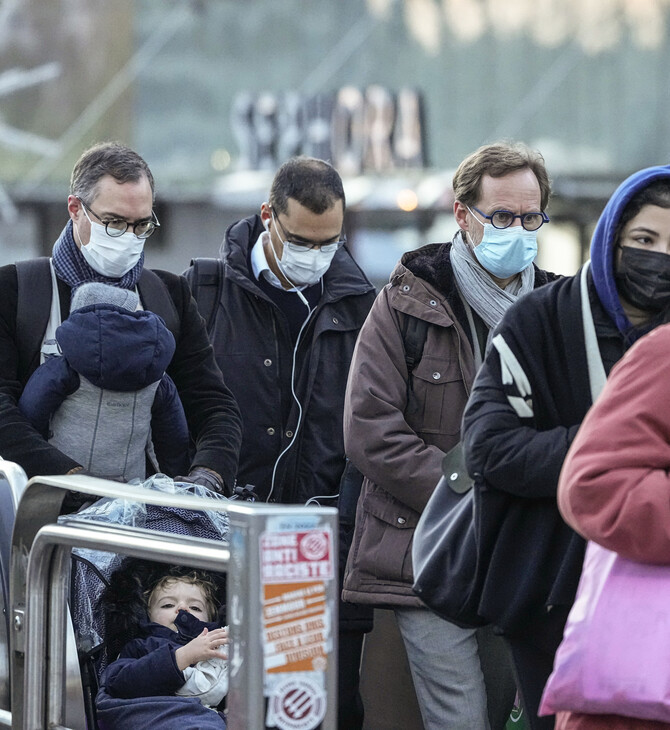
[(253, 348)]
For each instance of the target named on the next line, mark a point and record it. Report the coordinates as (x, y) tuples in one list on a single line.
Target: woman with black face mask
[(642, 267), (546, 364)]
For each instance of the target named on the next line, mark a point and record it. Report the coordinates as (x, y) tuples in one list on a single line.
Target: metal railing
[(281, 563)]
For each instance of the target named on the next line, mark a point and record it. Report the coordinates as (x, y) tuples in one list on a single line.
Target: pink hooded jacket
[(614, 487)]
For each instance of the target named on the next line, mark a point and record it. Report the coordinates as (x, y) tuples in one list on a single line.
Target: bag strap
[(157, 299), (594, 362), (454, 471), (33, 307), (414, 332), (207, 287)]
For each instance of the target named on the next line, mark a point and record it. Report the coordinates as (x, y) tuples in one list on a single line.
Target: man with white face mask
[(111, 216), (284, 304), (402, 417)]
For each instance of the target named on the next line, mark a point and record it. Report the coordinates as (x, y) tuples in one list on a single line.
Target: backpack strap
[(207, 287), (414, 332), (157, 299), (33, 308)]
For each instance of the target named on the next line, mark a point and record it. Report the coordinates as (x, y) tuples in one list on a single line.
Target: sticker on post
[(296, 628), (296, 567), (296, 704), (287, 557)]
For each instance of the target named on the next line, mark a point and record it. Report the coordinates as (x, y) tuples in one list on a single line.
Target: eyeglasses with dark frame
[(505, 218), (326, 247), (117, 226)]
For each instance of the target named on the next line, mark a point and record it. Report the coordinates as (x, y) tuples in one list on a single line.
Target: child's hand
[(206, 646)]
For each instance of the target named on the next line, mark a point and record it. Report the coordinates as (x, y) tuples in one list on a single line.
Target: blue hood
[(602, 243), (114, 348)]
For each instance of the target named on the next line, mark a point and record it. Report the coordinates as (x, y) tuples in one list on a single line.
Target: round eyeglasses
[(505, 218), (117, 226)]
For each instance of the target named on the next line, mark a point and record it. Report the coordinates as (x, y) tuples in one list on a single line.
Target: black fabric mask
[(643, 278)]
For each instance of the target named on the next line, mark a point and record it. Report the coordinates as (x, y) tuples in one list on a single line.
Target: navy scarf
[(74, 270)]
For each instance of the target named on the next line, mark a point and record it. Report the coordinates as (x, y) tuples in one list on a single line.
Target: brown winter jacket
[(396, 442), (394, 445)]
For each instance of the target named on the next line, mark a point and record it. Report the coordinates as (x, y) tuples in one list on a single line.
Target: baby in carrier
[(108, 399)]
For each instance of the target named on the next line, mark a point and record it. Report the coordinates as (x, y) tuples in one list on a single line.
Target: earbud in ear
[(266, 223)]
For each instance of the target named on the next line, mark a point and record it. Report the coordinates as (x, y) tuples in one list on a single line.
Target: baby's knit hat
[(99, 293)]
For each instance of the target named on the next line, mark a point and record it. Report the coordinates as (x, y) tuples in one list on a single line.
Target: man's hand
[(209, 645), (205, 478)]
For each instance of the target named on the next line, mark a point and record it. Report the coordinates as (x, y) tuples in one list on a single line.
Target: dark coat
[(535, 567), (137, 690), (534, 570), (397, 442), (116, 350), (211, 411), (254, 350)]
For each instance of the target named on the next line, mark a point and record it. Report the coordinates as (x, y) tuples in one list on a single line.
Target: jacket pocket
[(385, 549), (437, 397)]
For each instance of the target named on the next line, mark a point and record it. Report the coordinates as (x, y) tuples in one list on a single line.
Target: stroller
[(98, 638)]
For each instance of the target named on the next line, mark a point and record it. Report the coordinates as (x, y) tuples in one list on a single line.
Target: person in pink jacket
[(614, 487)]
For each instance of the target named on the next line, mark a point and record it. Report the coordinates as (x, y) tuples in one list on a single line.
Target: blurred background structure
[(216, 94)]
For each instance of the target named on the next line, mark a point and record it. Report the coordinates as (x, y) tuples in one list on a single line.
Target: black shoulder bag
[(444, 550)]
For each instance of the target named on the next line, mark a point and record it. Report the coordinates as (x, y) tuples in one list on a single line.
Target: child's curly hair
[(198, 578)]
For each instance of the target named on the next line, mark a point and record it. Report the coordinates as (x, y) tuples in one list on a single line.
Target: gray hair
[(107, 158)]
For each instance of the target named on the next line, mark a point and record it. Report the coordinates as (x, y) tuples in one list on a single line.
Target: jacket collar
[(343, 278)]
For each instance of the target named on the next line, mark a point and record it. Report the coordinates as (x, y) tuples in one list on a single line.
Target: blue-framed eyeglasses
[(505, 218)]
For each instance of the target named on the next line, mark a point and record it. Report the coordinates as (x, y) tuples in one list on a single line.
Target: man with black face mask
[(549, 356)]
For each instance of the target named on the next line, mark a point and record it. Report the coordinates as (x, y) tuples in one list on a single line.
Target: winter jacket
[(211, 411), (135, 688), (516, 434), (253, 348), (397, 434), (95, 402), (614, 486)]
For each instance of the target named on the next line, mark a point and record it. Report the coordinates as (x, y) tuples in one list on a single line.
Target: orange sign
[(295, 568)]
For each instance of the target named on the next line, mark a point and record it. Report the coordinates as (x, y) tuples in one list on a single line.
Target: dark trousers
[(349, 702), (533, 654)]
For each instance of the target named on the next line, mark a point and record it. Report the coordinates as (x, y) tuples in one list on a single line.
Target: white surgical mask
[(505, 252), (304, 266), (111, 256)]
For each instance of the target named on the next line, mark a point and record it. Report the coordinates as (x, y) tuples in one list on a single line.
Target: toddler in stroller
[(172, 673), (112, 600)]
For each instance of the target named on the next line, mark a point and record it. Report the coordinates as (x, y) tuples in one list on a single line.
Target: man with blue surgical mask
[(402, 415), (284, 304), (111, 217)]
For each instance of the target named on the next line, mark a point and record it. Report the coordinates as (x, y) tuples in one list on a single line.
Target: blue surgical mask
[(505, 252)]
